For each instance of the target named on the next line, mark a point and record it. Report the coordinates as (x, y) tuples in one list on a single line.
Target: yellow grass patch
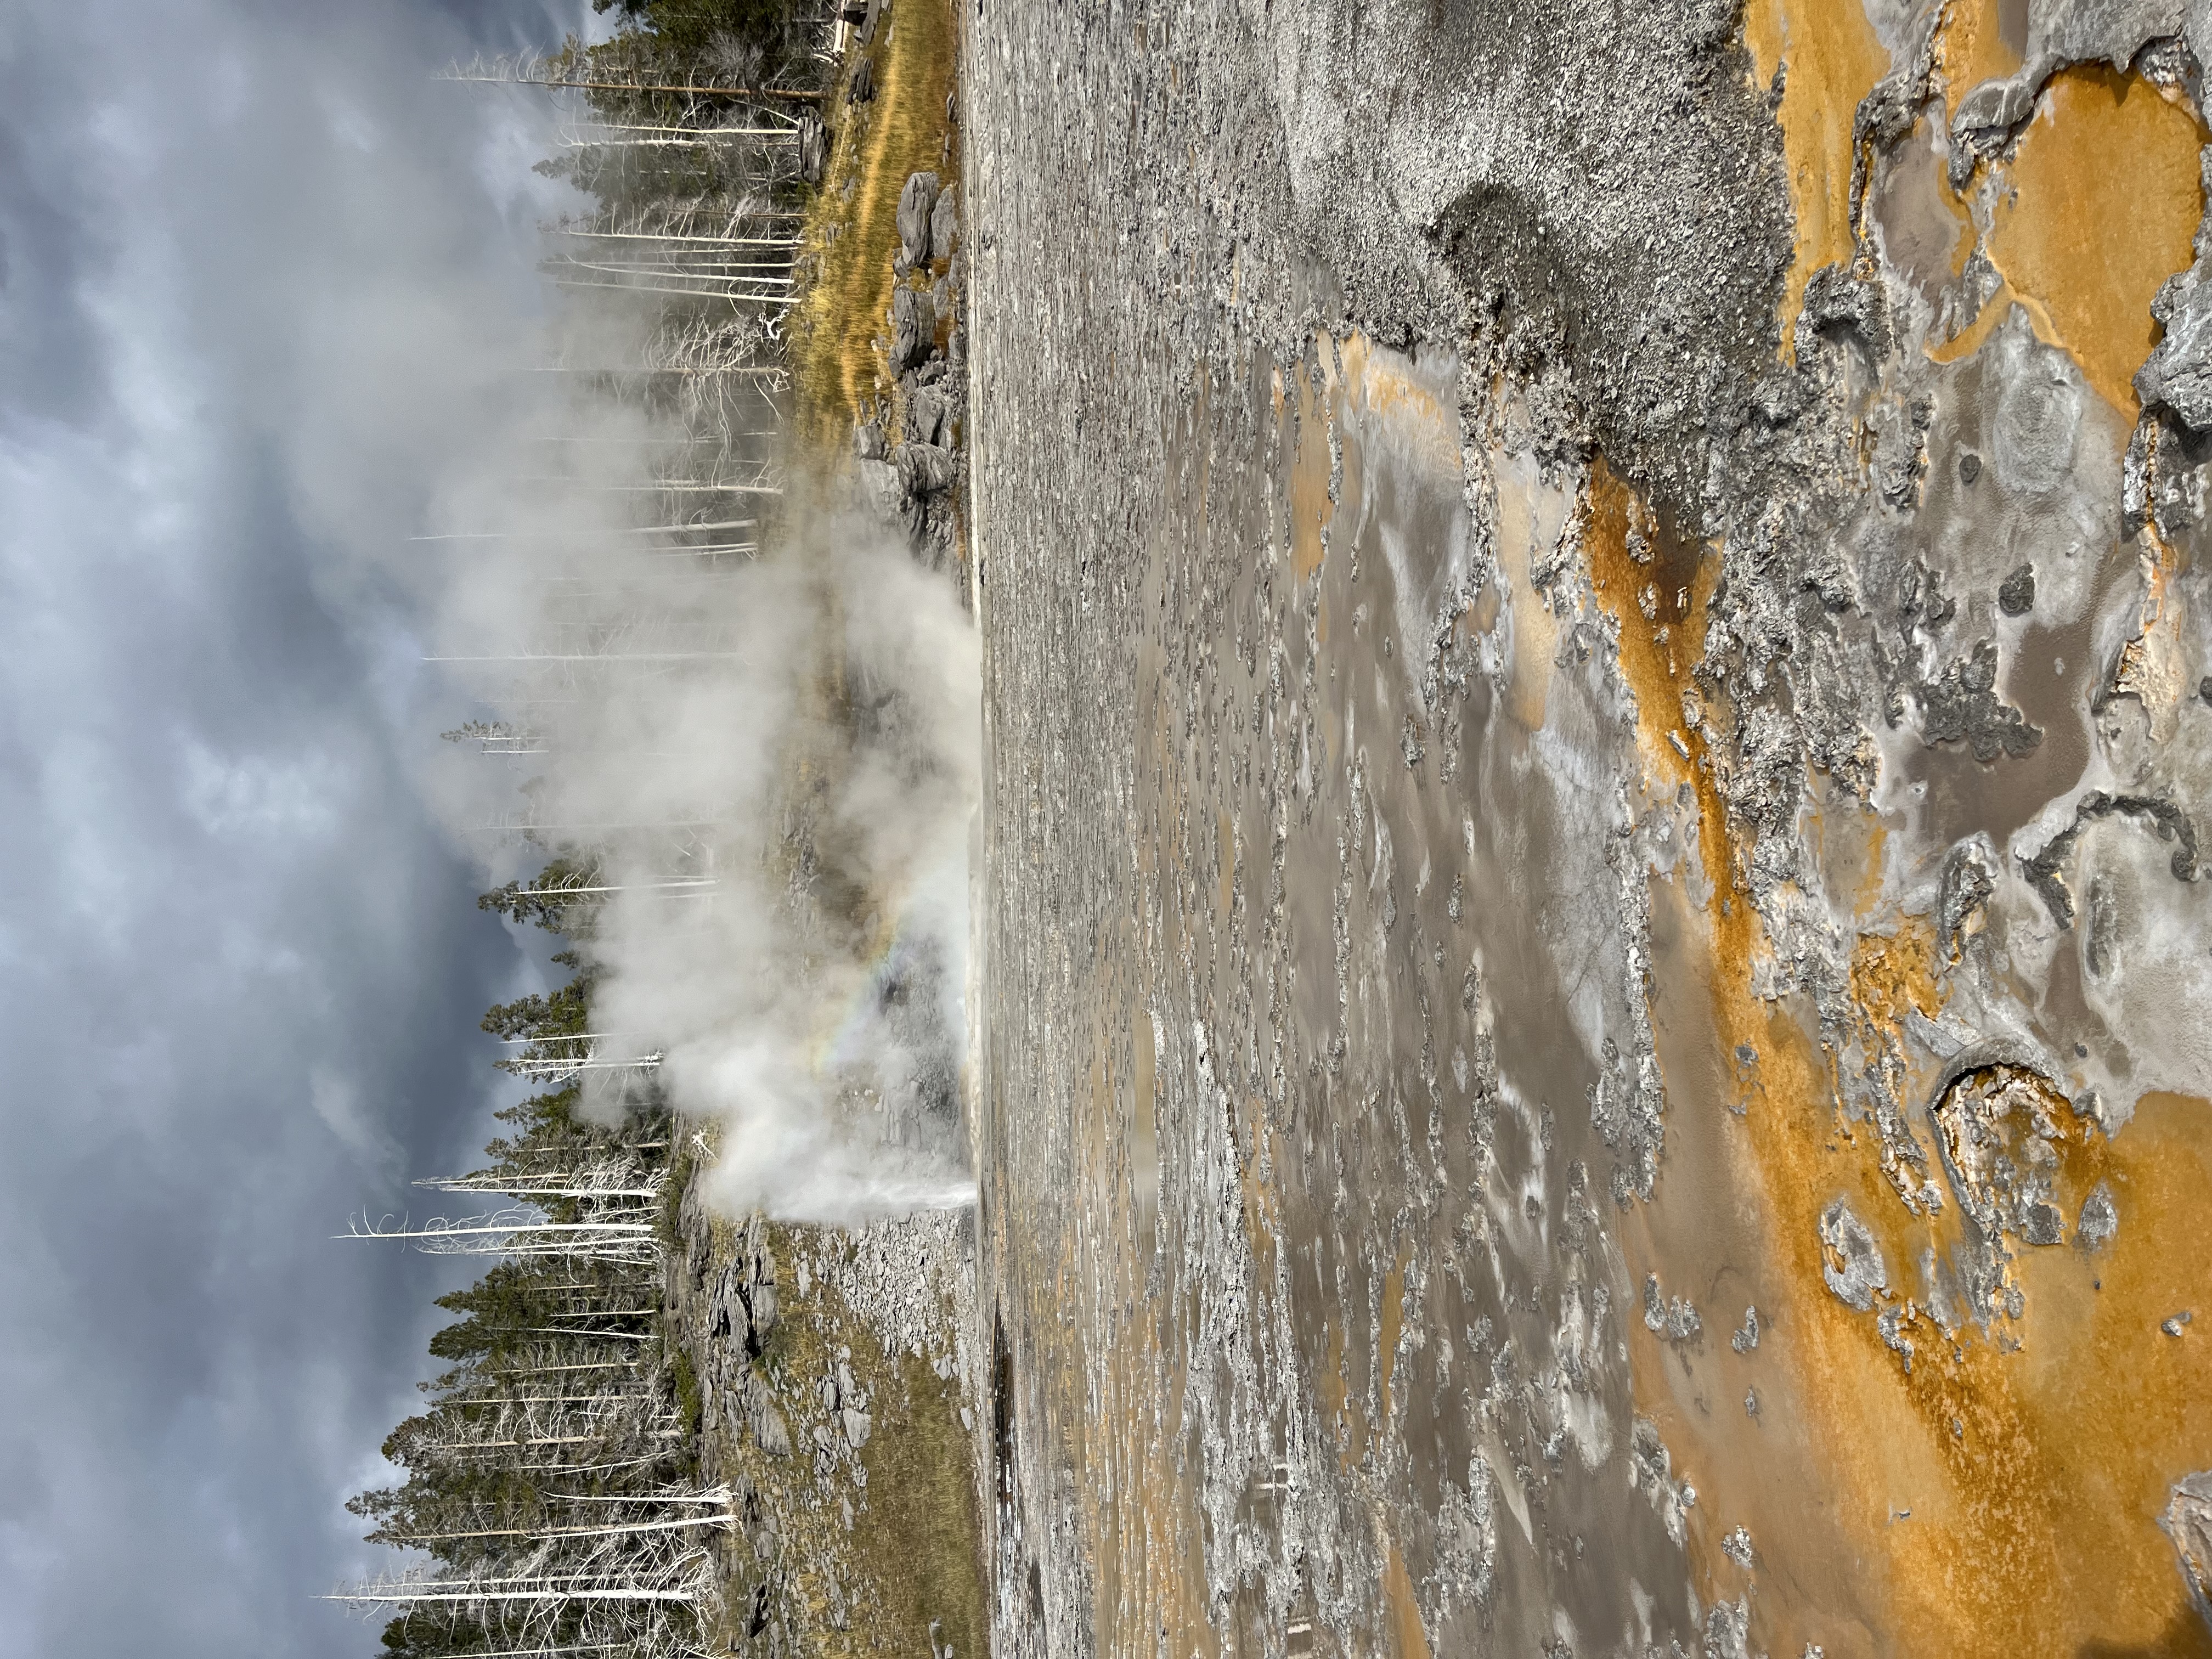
[(836, 364)]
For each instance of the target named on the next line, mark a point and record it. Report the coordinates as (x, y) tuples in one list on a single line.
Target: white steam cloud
[(770, 751)]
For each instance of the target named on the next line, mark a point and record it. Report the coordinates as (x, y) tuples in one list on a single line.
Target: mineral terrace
[(1592, 985)]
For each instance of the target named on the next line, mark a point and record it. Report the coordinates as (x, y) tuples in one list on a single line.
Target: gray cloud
[(250, 253)]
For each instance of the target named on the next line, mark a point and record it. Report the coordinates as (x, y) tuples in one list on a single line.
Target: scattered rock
[(1963, 706), (924, 469), (2166, 820), (879, 488), (2188, 1522), (944, 223), (1674, 1321), (863, 86), (868, 441), (763, 1292), (856, 1428), (1840, 307), (2178, 375), (814, 147), (1851, 1264), (769, 1431), (1995, 1129), (915, 204), (2016, 593), (1996, 105), (929, 419), (2041, 1223), (1650, 1469), (1967, 886), (1727, 1630), (731, 1317), (1746, 1339), (914, 329)]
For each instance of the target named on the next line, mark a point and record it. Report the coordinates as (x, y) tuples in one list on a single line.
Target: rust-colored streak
[(1407, 1639), (1379, 393), (1969, 340), (2001, 1496), (2104, 202), (1831, 59), (1970, 48), (1634, 565), (1890, 975), (1393, 1326), (1339, 1411)]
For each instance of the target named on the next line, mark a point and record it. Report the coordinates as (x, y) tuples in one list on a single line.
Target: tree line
[(551, 1479)]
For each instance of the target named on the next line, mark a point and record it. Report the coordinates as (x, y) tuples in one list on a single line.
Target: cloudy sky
[(258, 272)]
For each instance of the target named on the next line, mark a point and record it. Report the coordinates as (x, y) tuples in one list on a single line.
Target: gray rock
[(1839, 306), (2188, 1522), (2016, 593), (1963, 706), (868, 441), (770, 1432), (1676, 1320), (814, 147), (864, 83), (1965, 888), (856, 1428), (2178, 376), (924, 469), (944, 223), (731, 1318), (1727, 1630), (914, 329), (916, 204), (2100, 1218), (879, 488), (1851, 1264), (928, 418), (1996, 105)]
